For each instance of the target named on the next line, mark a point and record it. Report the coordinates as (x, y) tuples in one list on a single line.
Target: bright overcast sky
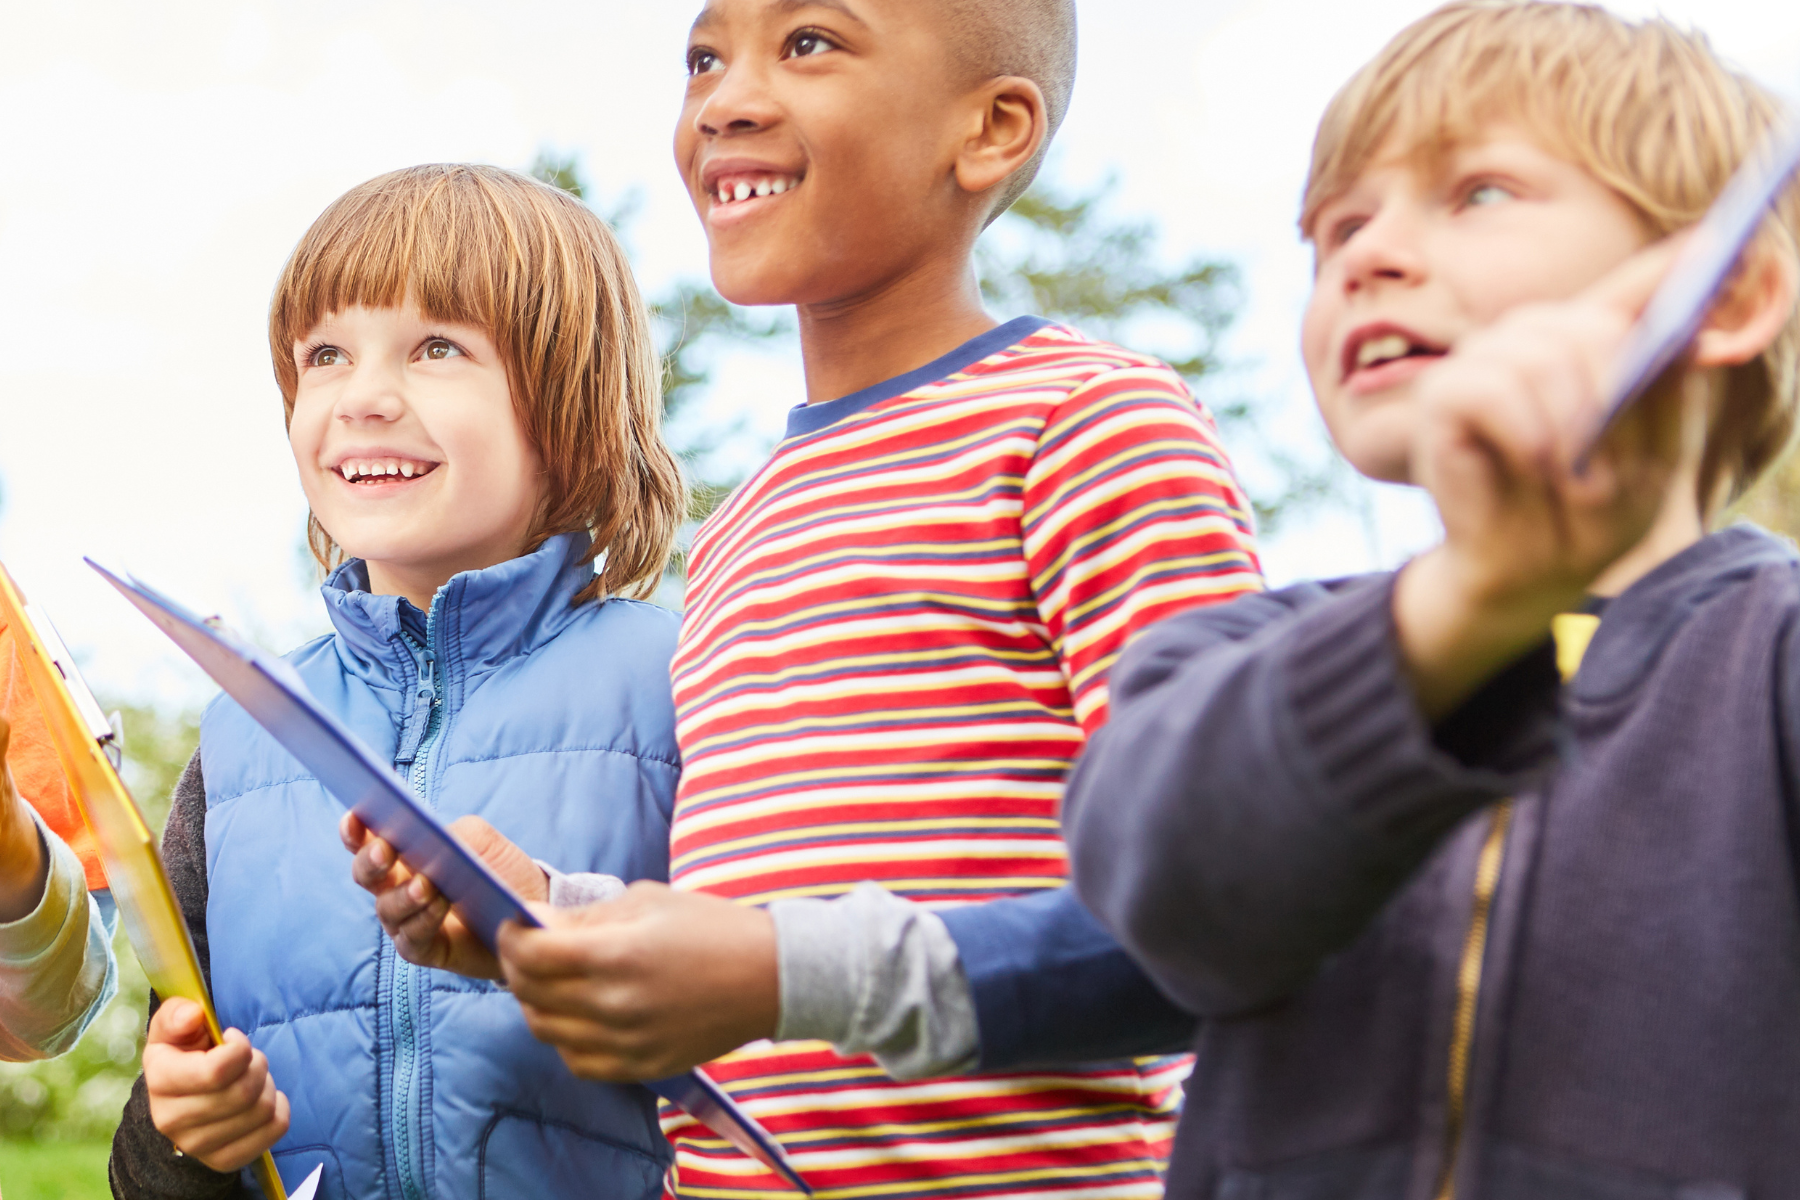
[(160, 160)]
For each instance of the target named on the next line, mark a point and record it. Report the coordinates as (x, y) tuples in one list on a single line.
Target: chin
[(1377, 458), (790, 274), (1375, 436), (371, 545), (748, 286)]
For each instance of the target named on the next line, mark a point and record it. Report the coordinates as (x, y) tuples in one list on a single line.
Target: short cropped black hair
[(1035, 39)]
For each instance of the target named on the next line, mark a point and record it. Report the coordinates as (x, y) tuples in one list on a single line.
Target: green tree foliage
[(1062, 256), (1059, 257), (79, 1096)]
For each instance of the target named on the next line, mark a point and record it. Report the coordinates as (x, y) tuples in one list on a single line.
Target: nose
[(1385, 250), (375, 392), (739, 103)]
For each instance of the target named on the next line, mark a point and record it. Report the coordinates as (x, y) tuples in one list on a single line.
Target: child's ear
[(1753, 309), (1005, 133)]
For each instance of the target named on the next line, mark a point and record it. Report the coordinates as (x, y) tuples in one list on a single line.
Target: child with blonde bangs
[(1485, 870), (473, 401)]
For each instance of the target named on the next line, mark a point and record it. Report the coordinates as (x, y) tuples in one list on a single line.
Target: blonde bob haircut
[(546, 279), (1644, 107)]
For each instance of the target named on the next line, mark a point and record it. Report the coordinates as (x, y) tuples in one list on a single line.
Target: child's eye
[(701, 61), (809, 43), (1486, 194), (1344, 230), (440, 348), (326, 356)]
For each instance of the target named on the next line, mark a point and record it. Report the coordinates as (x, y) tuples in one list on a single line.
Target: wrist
[(761, 981), (1456, 629), (24, 860)]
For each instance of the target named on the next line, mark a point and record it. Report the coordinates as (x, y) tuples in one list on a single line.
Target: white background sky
[(158, 162)]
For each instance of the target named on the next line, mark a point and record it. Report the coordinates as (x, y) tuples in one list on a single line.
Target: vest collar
[(482, 618)]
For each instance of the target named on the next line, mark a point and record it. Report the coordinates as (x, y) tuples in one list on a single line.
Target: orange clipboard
[(86, 746)]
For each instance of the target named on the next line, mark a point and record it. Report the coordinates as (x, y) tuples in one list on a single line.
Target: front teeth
[(744, 189), (1380, 349), (370, 468)]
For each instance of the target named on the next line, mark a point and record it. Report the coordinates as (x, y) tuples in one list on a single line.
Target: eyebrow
[(787, 6), (709, 15)]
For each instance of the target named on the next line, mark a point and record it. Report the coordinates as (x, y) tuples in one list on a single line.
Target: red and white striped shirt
[(897, 640)]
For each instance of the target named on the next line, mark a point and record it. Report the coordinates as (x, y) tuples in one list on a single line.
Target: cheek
[(306, 438), (1315, 334), (484, 439), (685, 144), (1543, 261)]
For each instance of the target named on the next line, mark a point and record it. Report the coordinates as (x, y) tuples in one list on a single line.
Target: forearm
[(1051, 987), (24, 859), (1454, 636), (1022, 981), (56, 965), (875, 974), (1248, 814)]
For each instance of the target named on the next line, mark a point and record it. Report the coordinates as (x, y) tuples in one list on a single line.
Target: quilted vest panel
[(556, 726)]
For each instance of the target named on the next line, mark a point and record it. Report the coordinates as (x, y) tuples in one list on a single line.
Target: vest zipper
[(1468, 990), (407, 982)]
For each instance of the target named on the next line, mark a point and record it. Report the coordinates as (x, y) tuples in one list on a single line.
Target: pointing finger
[(1627, 288)]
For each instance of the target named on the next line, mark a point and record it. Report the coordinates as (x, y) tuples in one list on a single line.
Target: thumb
[(1627, 288), (180, 1023), (503, 856)]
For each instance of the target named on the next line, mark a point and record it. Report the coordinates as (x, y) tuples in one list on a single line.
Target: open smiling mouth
[(371, 472), (1384, 349), (735, 189)]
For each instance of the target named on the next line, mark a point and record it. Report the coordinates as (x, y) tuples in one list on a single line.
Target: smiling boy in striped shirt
[(897, 640)]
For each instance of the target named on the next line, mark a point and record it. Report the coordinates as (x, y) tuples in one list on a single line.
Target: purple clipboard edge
[(1680, 303), (496, 897), (694, 1092), (701, 1098)]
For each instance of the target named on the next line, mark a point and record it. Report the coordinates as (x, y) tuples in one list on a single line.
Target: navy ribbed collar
[(1640, 622), (810, 418), (484, 617)]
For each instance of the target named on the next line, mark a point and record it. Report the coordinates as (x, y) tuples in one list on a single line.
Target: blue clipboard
[(273, 693)]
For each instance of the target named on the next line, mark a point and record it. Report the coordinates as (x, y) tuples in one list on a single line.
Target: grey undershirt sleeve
[(580, 889), (872, 973), (56, 965)]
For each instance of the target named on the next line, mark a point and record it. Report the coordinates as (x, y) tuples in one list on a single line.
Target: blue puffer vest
[(555, 724)]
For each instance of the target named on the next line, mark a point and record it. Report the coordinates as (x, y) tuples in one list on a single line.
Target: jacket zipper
[(1468, 989), (407, 984), (1572, 633)]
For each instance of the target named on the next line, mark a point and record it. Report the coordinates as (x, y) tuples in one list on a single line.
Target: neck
[(1679, 525), (385, 579), (899, 326), (1685, 515)]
